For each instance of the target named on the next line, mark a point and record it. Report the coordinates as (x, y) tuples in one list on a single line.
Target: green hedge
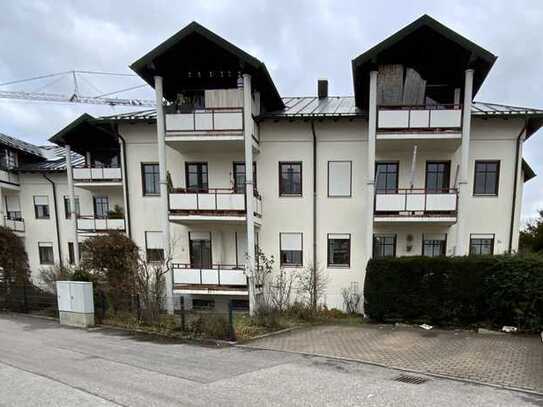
[(457, 291)]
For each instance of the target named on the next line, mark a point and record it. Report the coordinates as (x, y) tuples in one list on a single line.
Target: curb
[(402, 369), (267, 334)]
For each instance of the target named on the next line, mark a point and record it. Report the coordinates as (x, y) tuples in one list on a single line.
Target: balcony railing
[(214, 120), (15, 224), (407, 202), (97, 174), (97, 224), (213, 201), (211, 275), (8, 177), (419, 118)]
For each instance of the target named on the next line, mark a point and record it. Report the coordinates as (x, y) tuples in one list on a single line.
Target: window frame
[(48, 245), (444, 248), (448, 187), (202, 307), (236, 164), (293, 265), (395, 244), (95, 206), (328, 240), (200, 164), (473, 236), (497, 183), (68, 214), (350, 179), (148, 258), (210, 253), (396, 187), (296, 194), (144, 184), (48, 216)]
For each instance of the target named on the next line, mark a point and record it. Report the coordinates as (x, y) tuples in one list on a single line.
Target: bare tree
[(311, 284), (351, 299), (280, 289)]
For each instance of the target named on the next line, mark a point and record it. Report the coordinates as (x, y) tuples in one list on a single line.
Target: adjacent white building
[(408, 165)]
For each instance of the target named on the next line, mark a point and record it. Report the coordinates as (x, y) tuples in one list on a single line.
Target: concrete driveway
[(42, 364), (502, 360)]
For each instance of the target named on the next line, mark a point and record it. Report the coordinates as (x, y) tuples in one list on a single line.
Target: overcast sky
[(300, 41)]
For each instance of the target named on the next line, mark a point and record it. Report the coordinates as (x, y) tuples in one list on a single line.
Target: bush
[(457, 291), (210, 326)]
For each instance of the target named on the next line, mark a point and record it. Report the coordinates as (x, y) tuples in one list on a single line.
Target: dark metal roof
[(529, 173), (336, 106), (54, 160), (20, 145), (435, 51), (197, 58)]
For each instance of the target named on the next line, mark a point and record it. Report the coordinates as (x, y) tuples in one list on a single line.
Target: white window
[(291, 249), (339, 178), (153, 246), (45, 250), (41, 206)]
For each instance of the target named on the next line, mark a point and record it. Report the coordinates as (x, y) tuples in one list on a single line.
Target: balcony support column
[(372, 128), (73, 213), (463, 193), (249, 190), (164, 209)]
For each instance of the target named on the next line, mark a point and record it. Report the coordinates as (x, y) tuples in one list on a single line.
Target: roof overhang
[(86, 134), (196, 58), (437, 53), (528, 172)]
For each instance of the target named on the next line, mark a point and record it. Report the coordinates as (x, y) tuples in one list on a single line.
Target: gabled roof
[(191, 54), (20, 145), (55, 161), (424, 40)]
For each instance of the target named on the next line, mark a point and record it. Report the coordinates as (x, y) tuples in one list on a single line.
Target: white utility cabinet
[(75, 303)]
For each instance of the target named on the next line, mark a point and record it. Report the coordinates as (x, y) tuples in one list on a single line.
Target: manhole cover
[(404, 378)]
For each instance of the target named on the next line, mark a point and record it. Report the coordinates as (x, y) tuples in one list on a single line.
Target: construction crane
[(77, 78)]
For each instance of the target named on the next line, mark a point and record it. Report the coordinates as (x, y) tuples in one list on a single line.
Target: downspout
[(314, 214), (125, 182), (515, 183), (56, 217)]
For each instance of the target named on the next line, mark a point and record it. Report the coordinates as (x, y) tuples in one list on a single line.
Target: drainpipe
[(125, 182), (53, 186), (314, 214), (520, 139)]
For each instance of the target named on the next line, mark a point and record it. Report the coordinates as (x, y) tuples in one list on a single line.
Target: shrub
[(210, 326), (457, 291)]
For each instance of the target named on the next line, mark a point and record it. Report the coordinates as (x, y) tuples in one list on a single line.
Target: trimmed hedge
[(457, 291)]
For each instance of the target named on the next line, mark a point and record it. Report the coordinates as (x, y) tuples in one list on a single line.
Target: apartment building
[(410, 164)]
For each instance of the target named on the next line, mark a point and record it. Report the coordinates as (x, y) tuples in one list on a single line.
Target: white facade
[(347, 203)]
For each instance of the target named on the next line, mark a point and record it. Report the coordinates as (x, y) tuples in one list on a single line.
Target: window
[(437, 176), (150, 176), (101, 206), (9, 160), (239, 177), (239, 305), (200, 304), (13, 207), (339, 250), (386, 177), (339, 178), (67, 210), (487, 174), (384, 246), (105, 159), (196, 177), (290, 179), (153, 246), (291, 249), (46, 253), (71, 253), (481, 244), (41, 207), (434, 245), (200, 250)]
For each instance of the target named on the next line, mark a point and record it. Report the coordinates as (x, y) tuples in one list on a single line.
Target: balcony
[(97, 176), (94, 224), (14, 224), (416, 205), (212, 279), (218, 204), (421, 123), (8, 179)]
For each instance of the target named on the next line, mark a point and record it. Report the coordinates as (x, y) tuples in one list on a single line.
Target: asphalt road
[(42, 364)]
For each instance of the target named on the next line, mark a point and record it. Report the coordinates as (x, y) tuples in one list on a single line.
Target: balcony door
[(101, 207), (438, 175), (239, 177), (200, 250), (386, 177), (196, 177)]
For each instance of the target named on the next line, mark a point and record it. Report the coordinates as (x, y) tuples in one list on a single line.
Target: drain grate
[(410, 379)]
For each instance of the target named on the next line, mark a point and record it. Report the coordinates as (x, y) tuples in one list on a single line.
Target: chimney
[(322, 88)]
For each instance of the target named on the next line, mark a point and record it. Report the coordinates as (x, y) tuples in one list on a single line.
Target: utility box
[(75, 303)]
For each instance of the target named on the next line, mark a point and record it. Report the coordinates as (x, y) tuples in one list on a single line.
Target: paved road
[(506, 360), (42, 364)]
